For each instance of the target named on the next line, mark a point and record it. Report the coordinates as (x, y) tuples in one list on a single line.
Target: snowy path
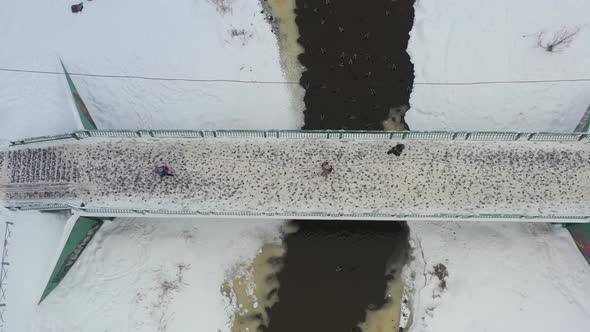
[(284, 176)]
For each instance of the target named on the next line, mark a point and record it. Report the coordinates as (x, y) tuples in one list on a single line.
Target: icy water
[(337, 275), (255, 288), (281, 16), (357, 68), (336, 272), (327, 276)]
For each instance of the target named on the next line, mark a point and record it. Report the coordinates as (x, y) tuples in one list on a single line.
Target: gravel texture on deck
[(284, 175)]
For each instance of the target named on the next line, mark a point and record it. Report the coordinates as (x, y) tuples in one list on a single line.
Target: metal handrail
[(106, 211), (315, 134)]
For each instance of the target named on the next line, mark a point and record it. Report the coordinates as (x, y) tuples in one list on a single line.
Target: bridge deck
[(283, 176)]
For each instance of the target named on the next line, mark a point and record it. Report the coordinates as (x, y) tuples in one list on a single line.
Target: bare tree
[(560, 40), (167, 288), (222, 6), (241, 34), (441, 272)]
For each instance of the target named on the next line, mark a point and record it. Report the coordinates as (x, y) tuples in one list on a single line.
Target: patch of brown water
[(283, 21), (395, 120), (281, 15), (253, 288), (338, 276), (387, 317), (338, 272)]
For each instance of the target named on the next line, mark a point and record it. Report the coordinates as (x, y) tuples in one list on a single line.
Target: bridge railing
[(122, 212), (315, 134)]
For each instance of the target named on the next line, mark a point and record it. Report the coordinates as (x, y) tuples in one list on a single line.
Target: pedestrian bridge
[(277, 174)]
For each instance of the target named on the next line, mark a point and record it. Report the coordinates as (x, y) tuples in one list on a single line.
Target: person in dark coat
[(78, 7), (397, 150), (327, 169)]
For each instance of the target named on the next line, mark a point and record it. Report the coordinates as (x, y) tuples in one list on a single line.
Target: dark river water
[(357, 69)]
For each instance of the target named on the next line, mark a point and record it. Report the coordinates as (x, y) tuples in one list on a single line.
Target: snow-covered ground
[(502, 277), (466, 41), (509, 277), (117, 282), (32, 246), (117, 288), (187, 38)]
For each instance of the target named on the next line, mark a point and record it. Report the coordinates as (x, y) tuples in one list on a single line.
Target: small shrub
[(560, 40), (236, 32), (441, 272), (222, 6), (241, 34)]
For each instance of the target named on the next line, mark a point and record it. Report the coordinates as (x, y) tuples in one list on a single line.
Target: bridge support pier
[(83, 113), (581, 233), (77, 234)]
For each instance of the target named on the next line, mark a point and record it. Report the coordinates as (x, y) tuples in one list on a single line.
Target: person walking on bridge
[(163, 170), (327, 169)]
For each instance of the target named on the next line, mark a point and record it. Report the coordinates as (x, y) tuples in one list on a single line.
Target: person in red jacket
[(163, 171)]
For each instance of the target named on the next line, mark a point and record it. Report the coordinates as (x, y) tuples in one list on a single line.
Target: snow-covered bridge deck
[(506, 176)]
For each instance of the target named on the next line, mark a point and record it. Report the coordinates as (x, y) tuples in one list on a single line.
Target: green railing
[(109, 211), (314, 134), (80, 235)]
